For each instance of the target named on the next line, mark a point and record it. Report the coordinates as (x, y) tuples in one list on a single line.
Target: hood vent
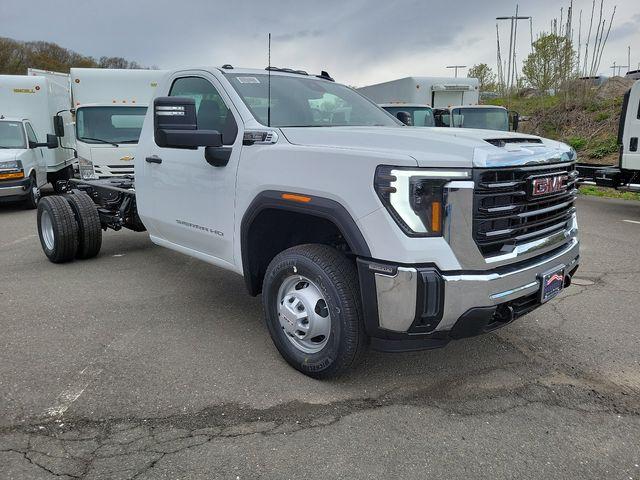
[(501, 142)]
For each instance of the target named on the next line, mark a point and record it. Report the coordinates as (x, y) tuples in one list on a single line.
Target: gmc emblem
[(548, 185)]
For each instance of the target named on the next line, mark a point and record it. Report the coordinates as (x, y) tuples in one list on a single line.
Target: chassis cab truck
[(110, 106), (356, 230), (35, 146), (454, 102)]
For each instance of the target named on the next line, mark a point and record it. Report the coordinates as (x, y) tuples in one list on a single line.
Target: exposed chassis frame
[(115, 200)]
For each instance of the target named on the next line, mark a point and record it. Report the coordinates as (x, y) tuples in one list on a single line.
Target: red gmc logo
[(548, 185)]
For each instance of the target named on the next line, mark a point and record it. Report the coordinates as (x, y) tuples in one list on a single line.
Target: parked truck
[(626, 174), (110, 106), (35, 146), (445, 102), (356, 230)]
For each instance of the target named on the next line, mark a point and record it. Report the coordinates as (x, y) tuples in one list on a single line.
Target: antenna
[(269, 85)]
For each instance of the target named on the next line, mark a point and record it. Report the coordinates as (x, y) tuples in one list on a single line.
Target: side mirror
[(52, 141), (58, 126), (515, 120), (175, 125), (405, 117)]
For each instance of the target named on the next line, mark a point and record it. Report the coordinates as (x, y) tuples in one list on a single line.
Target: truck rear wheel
[(57, 229), (313, 310), (89, 227)]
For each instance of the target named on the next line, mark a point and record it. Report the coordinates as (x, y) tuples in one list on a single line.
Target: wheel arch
[(325, 210)]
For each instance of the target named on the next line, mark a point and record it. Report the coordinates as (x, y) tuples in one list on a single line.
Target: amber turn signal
[(295, 198)]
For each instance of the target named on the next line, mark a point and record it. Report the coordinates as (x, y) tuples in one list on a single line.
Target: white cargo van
[(454, 102), (110, 106), (35, 146)]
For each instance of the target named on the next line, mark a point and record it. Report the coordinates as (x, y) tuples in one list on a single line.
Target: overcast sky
[(358, 41)]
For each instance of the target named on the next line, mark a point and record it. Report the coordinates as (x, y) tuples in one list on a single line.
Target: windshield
[(421, 116), (12, 135), (307, 102), (109, 124), (487, 118)]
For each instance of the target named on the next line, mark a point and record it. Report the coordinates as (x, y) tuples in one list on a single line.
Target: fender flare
[(318, 206)]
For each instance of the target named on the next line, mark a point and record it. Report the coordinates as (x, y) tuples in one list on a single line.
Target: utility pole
[(456, 67), (619, 67), (512, 45)]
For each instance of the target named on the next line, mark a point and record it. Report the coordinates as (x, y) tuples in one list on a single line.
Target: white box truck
[(110, 106), (35, 146), (454, 102), (626, 174), (62, 79)]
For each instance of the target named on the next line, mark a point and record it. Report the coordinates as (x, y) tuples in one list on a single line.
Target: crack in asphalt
[(133, 446)]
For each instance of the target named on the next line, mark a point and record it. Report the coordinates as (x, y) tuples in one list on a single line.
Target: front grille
[(504, 213)]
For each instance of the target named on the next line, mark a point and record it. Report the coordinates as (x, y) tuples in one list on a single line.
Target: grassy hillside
[(585, 118)]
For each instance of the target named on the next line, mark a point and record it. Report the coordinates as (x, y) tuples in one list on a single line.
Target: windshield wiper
[(133, 140), (98, 140)]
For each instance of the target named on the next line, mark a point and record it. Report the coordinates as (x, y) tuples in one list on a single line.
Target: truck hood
[(9, 154), (437, 147)]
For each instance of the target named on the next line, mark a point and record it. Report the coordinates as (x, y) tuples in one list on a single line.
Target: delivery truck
[(110, 105), (36, 141), (626, 174), (450, 102)]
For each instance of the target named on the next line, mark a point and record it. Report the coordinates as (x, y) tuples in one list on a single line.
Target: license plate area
[(552, 283)]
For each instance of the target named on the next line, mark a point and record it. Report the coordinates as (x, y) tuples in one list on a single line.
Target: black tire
[(89, 227), (336, 278), (63, 229), (33, 195)]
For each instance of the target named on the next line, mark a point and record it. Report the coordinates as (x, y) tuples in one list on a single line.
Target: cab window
[(211, 111), (31, 135)]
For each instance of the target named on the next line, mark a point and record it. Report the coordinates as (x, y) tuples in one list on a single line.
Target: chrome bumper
[(15, 188), (397, 293)]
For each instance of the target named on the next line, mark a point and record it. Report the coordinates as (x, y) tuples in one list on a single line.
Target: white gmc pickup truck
[(357, 230)]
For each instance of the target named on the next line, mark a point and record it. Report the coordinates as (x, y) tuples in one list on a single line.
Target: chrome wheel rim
[(303, 314), (46, 227)]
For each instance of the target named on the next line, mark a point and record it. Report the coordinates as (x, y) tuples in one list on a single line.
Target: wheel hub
[(303, 314), (46, 227)]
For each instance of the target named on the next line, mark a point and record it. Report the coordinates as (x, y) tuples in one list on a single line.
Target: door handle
[(153, 159), (633, 144)]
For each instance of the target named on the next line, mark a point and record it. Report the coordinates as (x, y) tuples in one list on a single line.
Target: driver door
[(191, 202), (37, 156)]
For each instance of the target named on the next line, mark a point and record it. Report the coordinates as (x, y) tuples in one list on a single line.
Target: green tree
[(550, 64), (485, 75)]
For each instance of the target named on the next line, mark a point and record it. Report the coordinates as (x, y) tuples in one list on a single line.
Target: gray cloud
[(358, 41)]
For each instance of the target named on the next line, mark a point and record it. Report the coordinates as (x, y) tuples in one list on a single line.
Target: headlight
[(11, 165), (414, 197)]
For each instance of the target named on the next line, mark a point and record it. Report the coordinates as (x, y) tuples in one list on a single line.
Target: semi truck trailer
[(36, 141), (110, 106), (356, 230)]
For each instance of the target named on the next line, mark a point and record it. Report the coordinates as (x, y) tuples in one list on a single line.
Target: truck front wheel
[(57, 229), (313, 310)]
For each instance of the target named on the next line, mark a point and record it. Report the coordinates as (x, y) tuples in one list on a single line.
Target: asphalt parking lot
[(144, 363)]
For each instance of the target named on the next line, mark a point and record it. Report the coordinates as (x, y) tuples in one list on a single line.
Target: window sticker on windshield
[(248, 80)]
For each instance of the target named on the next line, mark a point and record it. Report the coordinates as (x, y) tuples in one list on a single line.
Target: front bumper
[(12, 190), (410, 307)]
